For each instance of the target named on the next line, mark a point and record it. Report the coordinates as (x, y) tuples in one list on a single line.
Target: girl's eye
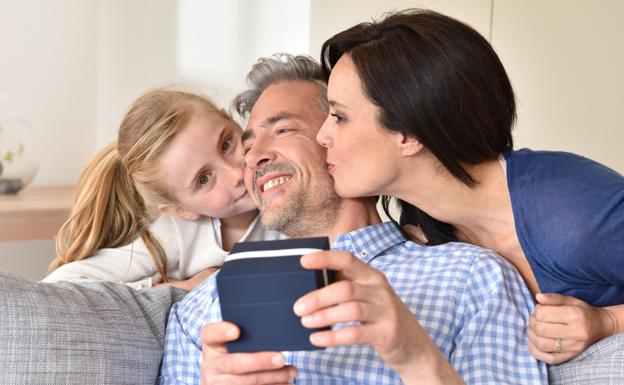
[(203, 179), (226, 145)]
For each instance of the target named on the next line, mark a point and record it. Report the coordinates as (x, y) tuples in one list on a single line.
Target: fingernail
[(299, 308), (277, 361), (292, 373), (305, 321), (230, 333), (315, 339)]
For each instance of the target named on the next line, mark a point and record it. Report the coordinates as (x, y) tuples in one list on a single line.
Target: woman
[(421, 109)]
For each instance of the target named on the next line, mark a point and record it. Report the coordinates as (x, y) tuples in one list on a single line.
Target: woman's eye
[(339, 118), (203, 179)]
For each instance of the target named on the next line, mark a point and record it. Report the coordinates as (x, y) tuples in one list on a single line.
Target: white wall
[(48, 71), (71, 67)]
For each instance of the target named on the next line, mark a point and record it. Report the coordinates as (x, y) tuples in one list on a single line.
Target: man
[(408, 314)]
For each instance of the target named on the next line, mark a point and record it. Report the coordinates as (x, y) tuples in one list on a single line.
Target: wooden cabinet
[(35, 213)]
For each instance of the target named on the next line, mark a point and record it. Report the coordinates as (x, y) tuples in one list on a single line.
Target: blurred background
[(70, 68)]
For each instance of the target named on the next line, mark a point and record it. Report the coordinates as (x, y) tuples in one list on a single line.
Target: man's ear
[(408, 145), (177, 212)]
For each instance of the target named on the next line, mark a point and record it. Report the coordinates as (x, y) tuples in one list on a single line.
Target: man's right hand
[(220, 367)]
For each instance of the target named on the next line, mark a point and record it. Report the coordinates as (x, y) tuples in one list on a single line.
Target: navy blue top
[(569, 217)]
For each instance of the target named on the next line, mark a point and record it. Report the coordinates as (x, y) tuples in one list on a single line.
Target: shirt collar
[(368, 242)]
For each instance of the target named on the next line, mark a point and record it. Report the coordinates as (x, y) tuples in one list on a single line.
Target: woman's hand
[(363, 295), (220, 367), (562, 327), (190, 283)]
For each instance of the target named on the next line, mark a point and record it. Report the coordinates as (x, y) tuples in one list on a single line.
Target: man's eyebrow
[(281, 116), (333, 103)]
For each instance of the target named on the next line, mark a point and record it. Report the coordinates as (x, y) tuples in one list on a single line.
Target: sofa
[(110, 334)]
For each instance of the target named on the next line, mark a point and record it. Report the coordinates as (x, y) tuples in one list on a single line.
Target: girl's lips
[(330, 167)]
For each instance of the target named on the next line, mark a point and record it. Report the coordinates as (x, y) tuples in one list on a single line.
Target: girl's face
[(203, 169), (362, 155)]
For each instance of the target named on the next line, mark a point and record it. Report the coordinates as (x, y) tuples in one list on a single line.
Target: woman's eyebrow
[(333, 103)]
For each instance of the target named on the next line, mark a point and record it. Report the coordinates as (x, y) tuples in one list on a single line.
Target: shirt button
[(364, 253)]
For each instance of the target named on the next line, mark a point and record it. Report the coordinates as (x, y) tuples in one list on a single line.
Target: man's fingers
[(342, 261), (353, 311), (218, 333), (284, 376), (246, 363), (334, 294)]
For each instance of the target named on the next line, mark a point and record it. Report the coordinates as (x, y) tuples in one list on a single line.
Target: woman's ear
[(177, 212), (408, 145)]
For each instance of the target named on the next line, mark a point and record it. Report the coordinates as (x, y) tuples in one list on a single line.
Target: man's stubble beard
[(304, 213)]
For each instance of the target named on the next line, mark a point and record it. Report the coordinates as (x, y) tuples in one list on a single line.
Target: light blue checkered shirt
[(472, 303)]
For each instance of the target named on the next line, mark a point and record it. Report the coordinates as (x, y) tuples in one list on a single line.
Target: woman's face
[(203, 168), (362, 155)]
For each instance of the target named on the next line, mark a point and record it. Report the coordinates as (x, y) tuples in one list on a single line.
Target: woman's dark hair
[(438, 80)]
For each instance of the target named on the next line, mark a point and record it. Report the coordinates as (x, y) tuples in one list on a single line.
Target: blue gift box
[(258, 286)]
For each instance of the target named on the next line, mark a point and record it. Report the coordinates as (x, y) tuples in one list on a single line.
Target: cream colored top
[(190, 247)]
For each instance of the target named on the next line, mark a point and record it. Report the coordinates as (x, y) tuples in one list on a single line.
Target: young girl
[(165, 202)]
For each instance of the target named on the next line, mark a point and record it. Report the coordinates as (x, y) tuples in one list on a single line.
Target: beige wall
[(566, 60)]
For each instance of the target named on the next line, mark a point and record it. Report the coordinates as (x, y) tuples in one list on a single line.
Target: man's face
[(285, 166)]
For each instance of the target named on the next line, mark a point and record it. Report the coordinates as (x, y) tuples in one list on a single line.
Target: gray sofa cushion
[(87, 333), (601, 364)]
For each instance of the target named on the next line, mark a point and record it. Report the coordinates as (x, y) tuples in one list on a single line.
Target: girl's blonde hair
[(120, 188)]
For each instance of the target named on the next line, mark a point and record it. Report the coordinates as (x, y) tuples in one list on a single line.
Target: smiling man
[(401, 313)]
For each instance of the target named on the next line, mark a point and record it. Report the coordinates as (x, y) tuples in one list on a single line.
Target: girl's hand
[(362, 294), (562, 327), (190, 283)]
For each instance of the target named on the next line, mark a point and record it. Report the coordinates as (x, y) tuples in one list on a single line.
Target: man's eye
[(203, 179), (282, 130)]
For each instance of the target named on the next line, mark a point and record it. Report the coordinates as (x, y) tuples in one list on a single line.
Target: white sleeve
[(128, 264)]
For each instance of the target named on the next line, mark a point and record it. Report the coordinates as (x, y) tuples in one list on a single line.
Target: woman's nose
[(323, 137)]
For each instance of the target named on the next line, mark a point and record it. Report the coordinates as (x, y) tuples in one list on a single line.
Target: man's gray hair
[(277, 68)]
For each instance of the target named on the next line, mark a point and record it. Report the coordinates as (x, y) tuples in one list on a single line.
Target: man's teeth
[(275, 182)]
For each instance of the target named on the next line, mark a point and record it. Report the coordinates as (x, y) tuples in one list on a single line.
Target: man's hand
[(220, 367), (562, 327), (363, 295)]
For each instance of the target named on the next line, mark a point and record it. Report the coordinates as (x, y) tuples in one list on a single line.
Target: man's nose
[(258, 155)]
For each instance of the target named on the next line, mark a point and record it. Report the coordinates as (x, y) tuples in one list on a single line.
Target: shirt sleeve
[(491, 347), (131, 263), (182, 357)]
